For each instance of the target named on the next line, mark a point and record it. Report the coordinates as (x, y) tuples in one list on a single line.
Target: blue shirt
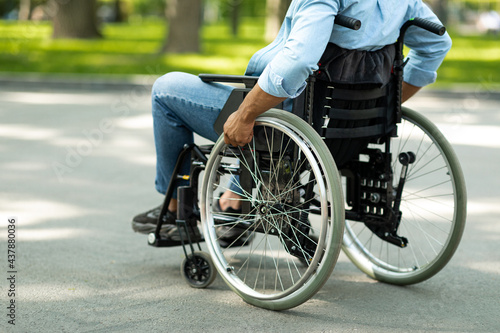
[(285, 64)]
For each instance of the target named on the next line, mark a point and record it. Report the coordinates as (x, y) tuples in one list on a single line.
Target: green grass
[(126, 49), (472, 59), (132, 49)]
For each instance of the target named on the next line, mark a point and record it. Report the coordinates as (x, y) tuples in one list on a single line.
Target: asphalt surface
[(77, 162)]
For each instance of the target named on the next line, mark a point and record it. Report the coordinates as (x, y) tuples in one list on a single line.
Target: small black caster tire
[(198, 270)]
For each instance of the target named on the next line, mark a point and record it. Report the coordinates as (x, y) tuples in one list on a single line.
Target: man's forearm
[(238, 129), (408, 91), (257, 102)]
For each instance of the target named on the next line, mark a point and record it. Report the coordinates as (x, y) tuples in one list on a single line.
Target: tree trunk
[(74, 18), (276, 11), (24, 10), (440, 7), (119, 17), (235, 16), (184, 21)]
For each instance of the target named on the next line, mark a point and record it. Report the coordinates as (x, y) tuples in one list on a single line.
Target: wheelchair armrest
[(247, 80)]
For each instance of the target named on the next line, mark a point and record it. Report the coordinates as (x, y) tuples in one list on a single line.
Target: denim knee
[(162, 89), (172, 83)]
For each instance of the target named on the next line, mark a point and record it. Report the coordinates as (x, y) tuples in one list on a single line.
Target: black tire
[(198, 270), (433, 207)]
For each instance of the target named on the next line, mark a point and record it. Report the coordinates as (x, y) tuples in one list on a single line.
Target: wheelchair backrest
[(353, 98)]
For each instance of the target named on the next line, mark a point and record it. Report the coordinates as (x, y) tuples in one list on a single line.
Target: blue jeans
[(182, 104)]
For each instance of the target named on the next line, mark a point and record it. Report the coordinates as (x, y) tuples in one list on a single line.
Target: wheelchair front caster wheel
[(198, 270)]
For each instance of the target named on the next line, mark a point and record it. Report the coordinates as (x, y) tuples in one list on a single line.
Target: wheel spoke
[(432, 210), (271, 253)]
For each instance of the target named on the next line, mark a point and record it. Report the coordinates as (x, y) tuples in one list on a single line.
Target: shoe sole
[(147, 228), (165, 231), (175, 235)]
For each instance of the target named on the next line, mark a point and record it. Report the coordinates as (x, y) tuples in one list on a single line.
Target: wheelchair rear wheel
[(433, 208), (278, 256)]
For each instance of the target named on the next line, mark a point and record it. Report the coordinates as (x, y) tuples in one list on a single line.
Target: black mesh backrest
[(354, 99)]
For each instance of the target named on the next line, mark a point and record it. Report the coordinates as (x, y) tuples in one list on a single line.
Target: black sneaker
[(228, 236), (175, 235), (233, 237), (145, 223)]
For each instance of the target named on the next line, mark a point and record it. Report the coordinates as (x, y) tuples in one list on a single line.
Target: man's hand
[(237, 130)]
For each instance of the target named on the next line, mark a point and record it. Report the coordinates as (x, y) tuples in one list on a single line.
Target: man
[(183, 104)]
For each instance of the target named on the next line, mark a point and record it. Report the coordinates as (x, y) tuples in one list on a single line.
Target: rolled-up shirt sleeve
[(311, 23), (427, 50)]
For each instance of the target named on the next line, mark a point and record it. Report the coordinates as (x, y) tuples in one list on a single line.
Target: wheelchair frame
[(370, 193)]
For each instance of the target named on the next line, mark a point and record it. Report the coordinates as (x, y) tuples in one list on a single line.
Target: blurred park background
[(115, 38)]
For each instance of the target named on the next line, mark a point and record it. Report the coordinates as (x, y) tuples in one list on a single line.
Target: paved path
[(77, 164)]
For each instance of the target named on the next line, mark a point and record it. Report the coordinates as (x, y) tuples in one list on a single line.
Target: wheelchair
[(378, 181)]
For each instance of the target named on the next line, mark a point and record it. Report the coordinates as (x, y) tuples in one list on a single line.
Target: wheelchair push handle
[(435, 28), (347, 22), (430, 26)]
